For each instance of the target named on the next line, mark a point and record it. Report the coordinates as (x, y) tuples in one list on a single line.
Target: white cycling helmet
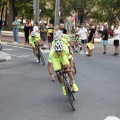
[(57, 35), (58, 46), (33, 33)]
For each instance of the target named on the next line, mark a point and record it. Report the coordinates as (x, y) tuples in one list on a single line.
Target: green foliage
[(99, 10)]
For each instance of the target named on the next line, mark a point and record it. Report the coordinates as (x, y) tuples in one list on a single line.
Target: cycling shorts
[(58, 61)]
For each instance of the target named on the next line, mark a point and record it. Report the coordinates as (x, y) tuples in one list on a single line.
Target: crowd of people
[(86, 35)]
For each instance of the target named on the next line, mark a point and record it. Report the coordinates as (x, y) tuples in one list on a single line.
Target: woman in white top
[(36, 28), (116, 39)]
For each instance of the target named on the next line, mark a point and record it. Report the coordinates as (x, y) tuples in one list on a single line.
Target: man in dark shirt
[(1, 24), (91, 36), (62, 29), (105, 38)]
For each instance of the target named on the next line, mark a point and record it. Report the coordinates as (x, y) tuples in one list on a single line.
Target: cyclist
[(34, 38), (60, 57), (65, 40)]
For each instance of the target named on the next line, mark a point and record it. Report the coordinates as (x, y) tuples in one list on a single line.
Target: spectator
[(101, 27), (50, 31), (35, 27), (116, 39), (1, 24), (62, 29), (43, 31), (83, 34), (16, 26), (27, 30), (57, 30), (105, 38), (91, 37)]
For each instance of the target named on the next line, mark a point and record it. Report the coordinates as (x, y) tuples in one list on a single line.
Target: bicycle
[(69, 88), (76, 44), (39, 54), (0, 46)]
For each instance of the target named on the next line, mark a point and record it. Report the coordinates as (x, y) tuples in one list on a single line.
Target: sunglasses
[(58, 51)]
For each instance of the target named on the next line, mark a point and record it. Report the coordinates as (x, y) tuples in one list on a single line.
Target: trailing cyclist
[(61, 58), (34, 38)]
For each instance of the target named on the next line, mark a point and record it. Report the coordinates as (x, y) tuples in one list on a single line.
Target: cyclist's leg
[(66, 66), (33, 47), (34, 50), (57, 68)]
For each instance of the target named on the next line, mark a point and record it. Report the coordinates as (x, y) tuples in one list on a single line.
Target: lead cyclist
[(59, 56)]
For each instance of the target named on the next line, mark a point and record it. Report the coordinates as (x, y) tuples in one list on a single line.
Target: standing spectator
[(105, 38), (50, 31), (27, 30), (35, 27), (57, 30), (68, 24), (91, 37), (62, 29), (101, 27), (83, 34), (43, 31), (16, 26), (116, 39), (1, 24)]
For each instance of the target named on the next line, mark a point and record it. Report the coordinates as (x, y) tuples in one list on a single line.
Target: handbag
[(90, 45)]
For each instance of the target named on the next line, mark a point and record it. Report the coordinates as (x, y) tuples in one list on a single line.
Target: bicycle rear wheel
[(42, 58), (69, 92), (38, 55)]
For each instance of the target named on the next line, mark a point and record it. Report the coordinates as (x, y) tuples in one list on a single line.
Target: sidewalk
[(4, 57), (10, 33)]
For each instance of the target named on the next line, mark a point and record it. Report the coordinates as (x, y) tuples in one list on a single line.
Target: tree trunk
[(2, 11), (5, 16), (10, 13)]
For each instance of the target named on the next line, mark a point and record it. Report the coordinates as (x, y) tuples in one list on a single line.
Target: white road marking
[(8, 49), (18, 47), (26, 55), (44, 51), (111, 118), (14, 55), (23, 56)]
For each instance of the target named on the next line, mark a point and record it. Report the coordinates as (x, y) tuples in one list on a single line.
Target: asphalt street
[(26, 92)]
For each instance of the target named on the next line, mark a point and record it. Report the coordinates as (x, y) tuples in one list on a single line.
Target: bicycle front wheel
[(42, 58), (38, 55), (69, 92)]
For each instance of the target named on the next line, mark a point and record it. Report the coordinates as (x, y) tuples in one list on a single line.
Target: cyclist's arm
[(50, 65)]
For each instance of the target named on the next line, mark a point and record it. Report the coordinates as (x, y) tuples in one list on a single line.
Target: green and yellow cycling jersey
[(53, 55), (65, 37), (33, 40), (63, 40)]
